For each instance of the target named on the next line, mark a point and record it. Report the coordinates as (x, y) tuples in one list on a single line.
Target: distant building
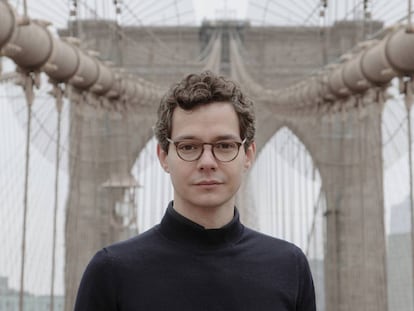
[(9, 299), (399, 259)]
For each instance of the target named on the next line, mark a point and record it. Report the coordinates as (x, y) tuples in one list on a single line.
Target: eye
[(188, 146), (225, 146)]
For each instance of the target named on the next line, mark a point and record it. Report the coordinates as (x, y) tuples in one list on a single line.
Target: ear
[(162, 157), (250, 156)]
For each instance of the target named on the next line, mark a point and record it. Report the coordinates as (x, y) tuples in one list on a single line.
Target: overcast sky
[(235, 9)]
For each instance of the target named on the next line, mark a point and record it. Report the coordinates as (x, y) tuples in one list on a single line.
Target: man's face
[(206, 182)]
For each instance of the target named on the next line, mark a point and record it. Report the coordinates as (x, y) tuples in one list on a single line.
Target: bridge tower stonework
[(350, 166)]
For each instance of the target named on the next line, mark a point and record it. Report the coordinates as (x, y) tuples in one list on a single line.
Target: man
[(200, 257)]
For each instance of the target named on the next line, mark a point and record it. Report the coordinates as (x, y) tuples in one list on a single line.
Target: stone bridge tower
[(275, 57)]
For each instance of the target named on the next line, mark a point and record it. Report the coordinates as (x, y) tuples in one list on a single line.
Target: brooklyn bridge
[(332, 82)]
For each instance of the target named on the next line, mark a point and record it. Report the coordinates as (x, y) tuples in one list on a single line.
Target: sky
[(216, 9)]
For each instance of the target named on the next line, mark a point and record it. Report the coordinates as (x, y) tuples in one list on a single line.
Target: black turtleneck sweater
[(179, 265)]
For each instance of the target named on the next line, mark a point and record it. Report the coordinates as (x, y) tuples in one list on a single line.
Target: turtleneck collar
[(180, 229)]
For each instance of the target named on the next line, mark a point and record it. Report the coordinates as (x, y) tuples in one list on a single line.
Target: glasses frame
[(175, 143)]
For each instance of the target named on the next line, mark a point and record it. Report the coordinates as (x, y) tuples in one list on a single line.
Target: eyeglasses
[(223, 151)]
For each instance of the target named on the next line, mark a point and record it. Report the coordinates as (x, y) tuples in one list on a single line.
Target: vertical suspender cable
[(269, 189), (25, 8), (307, 166), (291, 188), (137, 198), (304, 196), (301, 185), (58, 94), (409, 22), (275, 188), (316, 205), (278, 187), (154, 184), (408, 104), (300, 189), (152, 180), (283, 185), (28, 82), (144, 170), (298, 219), (322, 31), (364, 20)]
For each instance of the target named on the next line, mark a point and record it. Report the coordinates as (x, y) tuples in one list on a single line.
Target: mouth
[(208, 183)]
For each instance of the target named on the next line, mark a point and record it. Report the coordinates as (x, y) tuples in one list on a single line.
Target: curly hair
[(200, 89)]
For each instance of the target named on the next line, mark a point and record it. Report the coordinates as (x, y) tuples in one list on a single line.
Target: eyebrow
[(217, 138)]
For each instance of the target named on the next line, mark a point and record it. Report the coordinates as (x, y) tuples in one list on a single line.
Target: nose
[(207, 159)]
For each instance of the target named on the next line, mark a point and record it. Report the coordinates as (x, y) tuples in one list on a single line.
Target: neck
[(207, 216)]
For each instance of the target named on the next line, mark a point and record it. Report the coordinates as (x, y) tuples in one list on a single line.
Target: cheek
[(236, 173), (178, 171)]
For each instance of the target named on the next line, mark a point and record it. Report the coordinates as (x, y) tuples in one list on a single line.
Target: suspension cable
[(408, 89), (323, 30), (28, 82), (278, 206), (25, 8), (291, 185), (409, 23), (57, 92)]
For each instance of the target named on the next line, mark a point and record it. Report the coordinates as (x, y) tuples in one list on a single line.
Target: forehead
[(206, 122)]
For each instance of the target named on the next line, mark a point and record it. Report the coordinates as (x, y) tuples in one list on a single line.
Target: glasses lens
[(189, 151), (226, 151), (222, 151)]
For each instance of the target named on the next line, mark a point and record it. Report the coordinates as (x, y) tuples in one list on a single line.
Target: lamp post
[(123, 213)]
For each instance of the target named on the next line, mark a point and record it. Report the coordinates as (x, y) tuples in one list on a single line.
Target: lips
[(208, 183)]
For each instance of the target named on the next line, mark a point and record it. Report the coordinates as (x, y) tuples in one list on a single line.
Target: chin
[(212, 203)]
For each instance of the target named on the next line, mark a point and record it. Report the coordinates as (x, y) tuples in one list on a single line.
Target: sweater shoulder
[(142, 242), (271, 244)]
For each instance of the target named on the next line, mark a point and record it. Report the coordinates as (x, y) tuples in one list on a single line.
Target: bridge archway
[(289, 200), (290, 157)]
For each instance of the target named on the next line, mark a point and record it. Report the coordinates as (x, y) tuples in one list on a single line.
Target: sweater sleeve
[(97, 290), (306, 291)]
